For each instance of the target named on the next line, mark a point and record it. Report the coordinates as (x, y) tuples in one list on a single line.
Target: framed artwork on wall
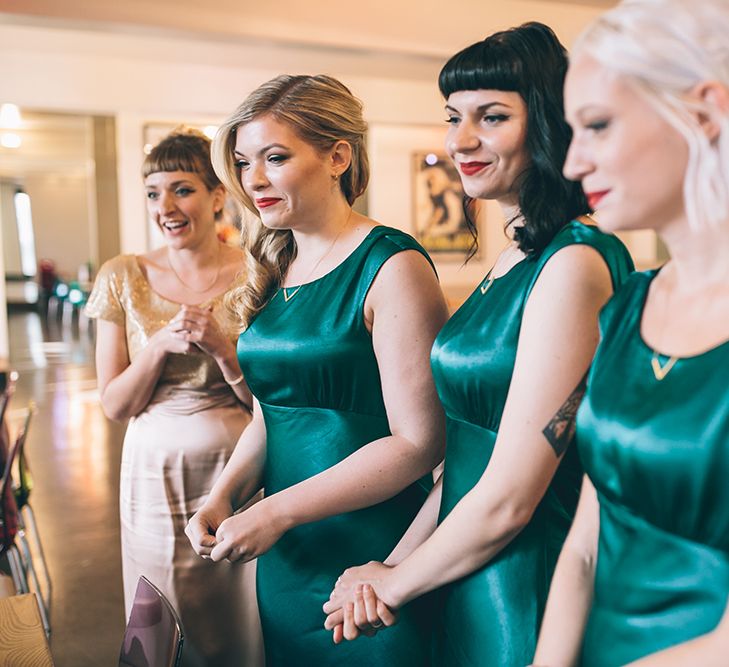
[(439, 222)]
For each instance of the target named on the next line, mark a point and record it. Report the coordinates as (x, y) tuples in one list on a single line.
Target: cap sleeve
[(105, 300)]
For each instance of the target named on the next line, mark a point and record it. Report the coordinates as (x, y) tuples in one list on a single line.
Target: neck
[(330, 225), (698, 258), (203, 255), (511, 212)]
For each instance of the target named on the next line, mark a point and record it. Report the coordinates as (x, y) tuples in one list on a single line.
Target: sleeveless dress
[(492, 616), (173, 452), (658, 455), (310, 363)]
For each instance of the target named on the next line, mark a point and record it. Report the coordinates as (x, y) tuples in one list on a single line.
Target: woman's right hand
[(172, 338), (202, 526), (366, 615)]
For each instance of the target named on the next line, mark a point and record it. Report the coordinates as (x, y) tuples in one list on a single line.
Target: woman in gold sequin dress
[(166, 361)]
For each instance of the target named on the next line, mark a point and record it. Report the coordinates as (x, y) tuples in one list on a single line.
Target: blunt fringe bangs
[(184, 149), (528, 60)]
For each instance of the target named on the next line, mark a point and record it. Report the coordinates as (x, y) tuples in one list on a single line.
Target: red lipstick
[(471, 168), (594, 198), (265, 202)]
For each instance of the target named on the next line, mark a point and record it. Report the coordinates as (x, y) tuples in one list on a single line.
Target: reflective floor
[(74, 454)]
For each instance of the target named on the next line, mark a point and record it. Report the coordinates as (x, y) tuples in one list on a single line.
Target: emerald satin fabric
[(658, 455), (492, 617), (311, 364)]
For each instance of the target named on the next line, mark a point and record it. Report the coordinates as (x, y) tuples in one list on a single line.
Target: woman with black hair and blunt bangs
[(503, 365)]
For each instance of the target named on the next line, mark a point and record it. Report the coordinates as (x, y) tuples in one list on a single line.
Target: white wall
[(61, 215)]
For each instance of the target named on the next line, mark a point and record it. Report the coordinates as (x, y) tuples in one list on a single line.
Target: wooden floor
[(74, 454)]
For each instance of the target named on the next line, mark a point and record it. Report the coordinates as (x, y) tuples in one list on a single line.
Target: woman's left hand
[(245, 536), (355, 607), (199, 326)]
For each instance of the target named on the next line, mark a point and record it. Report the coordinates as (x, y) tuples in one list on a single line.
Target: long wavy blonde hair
[(322, 111)]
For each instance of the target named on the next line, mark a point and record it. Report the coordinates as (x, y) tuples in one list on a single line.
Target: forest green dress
[(492, 616), (310, 363), (657, 453)]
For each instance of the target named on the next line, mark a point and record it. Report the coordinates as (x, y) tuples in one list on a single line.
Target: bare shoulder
[(575, 269), (407, 286), (233, 260), (154, 260), (406, 266)]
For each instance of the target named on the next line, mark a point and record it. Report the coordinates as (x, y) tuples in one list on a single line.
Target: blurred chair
[(153, 637), (22, 640), (22, 487), (14, 542), (8, 508)]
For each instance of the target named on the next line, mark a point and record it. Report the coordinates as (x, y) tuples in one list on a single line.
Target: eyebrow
[(263, 150), (481, 108)]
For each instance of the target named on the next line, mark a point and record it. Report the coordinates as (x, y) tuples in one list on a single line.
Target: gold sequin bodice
[(122, 295)]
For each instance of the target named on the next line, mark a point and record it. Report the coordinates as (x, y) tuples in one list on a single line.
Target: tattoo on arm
[(560, 431)]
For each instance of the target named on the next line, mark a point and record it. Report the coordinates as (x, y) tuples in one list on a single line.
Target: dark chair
[(13, 542), (153, 637), (8, 508), (22, 487)]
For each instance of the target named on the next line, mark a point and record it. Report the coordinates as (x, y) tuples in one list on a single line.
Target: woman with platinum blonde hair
[(339, 314), (643, 577)]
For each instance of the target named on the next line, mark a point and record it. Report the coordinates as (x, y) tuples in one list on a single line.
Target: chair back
[(24, 481), (153, 636), (8, 507)]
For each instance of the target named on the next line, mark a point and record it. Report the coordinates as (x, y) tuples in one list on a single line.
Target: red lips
[(594, 198), (265, 202), (471, 168)]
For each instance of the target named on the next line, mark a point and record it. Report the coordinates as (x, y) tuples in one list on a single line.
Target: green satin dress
[(491, 617), (657, 453), (310, 363)]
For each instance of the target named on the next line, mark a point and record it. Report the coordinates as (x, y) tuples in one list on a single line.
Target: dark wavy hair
[(528, 60)]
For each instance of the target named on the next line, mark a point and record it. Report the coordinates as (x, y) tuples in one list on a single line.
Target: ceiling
[(418, 28)]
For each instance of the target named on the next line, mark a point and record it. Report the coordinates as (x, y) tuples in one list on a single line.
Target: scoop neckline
[(654, 350), (138, 267), (338, 266)]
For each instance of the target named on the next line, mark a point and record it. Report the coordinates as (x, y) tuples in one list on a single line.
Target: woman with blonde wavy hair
[(643, 577), (338, 317)]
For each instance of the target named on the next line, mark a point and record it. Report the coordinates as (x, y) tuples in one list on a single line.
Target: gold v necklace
[(660, 370), (290, 292), (491, 275)]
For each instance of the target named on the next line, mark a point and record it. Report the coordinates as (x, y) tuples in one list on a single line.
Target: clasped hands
[(194, 326), (362, 602), (217, 535)]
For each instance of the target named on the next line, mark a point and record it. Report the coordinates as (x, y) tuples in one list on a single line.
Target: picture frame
[(439, 220)]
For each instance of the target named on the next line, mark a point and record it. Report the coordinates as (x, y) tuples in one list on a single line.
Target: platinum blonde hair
[(322, 111), (665, 48)]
